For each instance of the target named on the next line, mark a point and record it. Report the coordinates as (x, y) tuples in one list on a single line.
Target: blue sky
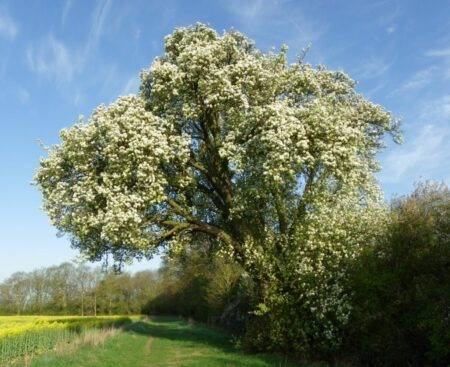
[(60, 59)]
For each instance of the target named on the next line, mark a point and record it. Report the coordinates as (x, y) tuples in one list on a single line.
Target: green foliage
[(402, 286), (210, 290)]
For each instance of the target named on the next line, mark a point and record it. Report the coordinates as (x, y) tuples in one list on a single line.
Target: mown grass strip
[(164, 342)]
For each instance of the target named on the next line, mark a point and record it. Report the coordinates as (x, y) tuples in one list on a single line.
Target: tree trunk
[(95, 305)]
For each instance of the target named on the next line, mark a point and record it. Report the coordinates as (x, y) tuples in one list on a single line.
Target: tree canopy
[(223, 142)]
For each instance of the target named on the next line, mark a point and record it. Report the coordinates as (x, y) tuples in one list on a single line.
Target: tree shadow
[(176, 329)]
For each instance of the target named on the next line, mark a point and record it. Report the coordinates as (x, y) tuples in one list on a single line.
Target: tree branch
[(301, 206), (281, 213)]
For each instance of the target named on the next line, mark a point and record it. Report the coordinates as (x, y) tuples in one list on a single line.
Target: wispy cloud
[(438, 110), (373, 67), (442, 52), (427, 154), (23, 95), (8, 27), (98, 19), (441, 56), (262, 17), (51, 58), (132, 85), (66, 10), (391, 29), (55, 60), (418, 157), (385, 15), (250, 10), (137, 34), (416, 82)]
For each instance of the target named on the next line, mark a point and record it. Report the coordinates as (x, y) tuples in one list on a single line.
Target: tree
[(223, 141), (63, 287), (84, 284), (15, 292)]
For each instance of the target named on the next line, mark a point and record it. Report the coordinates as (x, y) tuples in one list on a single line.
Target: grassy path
[(159, 343)]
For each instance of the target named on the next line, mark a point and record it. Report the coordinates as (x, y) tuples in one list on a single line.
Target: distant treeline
[(70, 289)]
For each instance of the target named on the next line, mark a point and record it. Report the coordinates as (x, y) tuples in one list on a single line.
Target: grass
[(161, 342)]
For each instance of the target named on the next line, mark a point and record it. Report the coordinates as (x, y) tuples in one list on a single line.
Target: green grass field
[(161, 342)]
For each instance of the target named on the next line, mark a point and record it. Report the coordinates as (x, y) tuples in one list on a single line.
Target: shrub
[(402, 286)]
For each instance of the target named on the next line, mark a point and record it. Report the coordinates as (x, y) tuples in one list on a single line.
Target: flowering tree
[(223, 141)]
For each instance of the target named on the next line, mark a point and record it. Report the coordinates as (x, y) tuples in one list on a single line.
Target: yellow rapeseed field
[(14, 325), (22, 336)]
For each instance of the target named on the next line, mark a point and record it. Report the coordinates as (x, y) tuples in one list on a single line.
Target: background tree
[(83, 291), (84, 285), (15, 293)]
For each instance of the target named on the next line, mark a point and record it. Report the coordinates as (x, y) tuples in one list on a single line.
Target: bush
[(202, 288), (402, 286)]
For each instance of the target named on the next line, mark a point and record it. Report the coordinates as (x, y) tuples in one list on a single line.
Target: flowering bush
[(307, 300)]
